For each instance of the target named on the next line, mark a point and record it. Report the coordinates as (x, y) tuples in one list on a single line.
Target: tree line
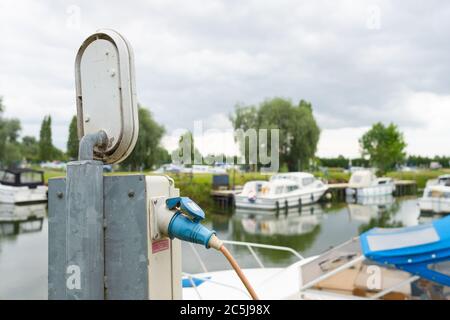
[(383, 146), (147, 153)]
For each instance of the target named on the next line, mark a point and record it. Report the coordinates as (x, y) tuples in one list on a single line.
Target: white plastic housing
[(106, 93), (165, 254)]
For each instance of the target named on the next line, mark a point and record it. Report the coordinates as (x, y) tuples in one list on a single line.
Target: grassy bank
[(421, 177)]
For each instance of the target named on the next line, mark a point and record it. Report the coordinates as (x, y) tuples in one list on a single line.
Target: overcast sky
[(357, 62)]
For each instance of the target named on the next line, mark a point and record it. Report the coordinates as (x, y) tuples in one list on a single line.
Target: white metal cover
[(106, 93)]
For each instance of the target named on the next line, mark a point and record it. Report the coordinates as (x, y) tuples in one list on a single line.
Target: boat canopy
[(22, 177), (423, 250), (362, 178)]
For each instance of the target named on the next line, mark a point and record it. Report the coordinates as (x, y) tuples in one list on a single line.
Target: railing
[(303, 288), (250, 246)]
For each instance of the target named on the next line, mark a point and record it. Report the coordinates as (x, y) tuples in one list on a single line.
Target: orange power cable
[(239, 272)]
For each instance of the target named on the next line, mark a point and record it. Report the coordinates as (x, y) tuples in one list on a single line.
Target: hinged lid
[(106, 94)]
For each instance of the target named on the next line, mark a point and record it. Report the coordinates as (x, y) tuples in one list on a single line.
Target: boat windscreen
[(330, 260)]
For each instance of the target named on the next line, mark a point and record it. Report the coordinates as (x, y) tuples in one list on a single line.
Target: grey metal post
[(85, 235), (77, 270)]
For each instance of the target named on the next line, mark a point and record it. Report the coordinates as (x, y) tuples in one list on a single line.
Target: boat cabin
[(301, 179), (444, 180), (22, 177), (366, 178), (437, 191)]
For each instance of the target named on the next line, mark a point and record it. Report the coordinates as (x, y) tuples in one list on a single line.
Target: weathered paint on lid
[(106, 93)]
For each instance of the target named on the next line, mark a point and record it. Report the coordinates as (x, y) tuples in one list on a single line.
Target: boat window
[(307, 181), (30, 177), (279, 190), (382, 182), (291, 188), (9, 177)]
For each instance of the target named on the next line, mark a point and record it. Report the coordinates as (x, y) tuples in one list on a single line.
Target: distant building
[(435, 165)]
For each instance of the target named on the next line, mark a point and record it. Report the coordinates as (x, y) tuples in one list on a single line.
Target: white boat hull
[(435, 205), (379, 190), (272, 203), (22, 195)]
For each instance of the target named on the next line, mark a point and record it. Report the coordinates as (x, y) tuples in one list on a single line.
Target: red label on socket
[(160, 245)]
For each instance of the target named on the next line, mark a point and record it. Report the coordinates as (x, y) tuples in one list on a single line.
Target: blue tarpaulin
[(420, 250)]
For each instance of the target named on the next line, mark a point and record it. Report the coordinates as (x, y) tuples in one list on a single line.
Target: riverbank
[(198, 186)]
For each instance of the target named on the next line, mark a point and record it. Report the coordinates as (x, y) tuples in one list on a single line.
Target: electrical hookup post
[(104, 242), (117, 237)]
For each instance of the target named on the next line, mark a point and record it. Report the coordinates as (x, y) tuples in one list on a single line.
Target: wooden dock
[(405, 188), (337, 191), (402, 188), (224, 198)]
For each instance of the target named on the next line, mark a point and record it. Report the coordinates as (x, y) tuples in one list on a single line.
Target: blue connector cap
[(186, 205), (183, 228), (185, 223)]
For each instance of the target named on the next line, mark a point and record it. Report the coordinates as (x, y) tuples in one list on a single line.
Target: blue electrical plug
[(185, 223)]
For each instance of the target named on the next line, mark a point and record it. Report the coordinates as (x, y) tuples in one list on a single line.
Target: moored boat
[(365, 183), (282, 190), (22, 186), (435, 199)]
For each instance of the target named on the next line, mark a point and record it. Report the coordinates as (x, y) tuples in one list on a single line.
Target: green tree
[(30, 149), (298, 130), (9, 134), (46, 148), (384, 145), (147, 152), (186, 141), (58, 154), (72, 142)]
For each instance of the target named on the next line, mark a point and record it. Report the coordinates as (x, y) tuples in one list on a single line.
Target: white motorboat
[(436, 196), (395, 264), (283, 190), (365, 183), (22, 186), (436, 199)]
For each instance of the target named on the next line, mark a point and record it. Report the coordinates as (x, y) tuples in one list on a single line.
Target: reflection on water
[(310, 230), (23, 252), (21, 219)]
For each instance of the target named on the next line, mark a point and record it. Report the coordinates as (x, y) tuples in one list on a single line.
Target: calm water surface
[(311, 230)]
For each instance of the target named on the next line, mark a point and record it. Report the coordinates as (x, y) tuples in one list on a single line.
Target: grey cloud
[(195, 59)]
